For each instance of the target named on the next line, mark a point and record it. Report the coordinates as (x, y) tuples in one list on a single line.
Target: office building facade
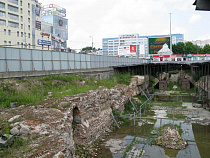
[(16, 23)]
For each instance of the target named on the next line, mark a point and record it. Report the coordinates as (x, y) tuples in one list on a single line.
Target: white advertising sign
[(124, 50)]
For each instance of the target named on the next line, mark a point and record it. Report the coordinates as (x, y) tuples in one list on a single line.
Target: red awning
[(166, 56), (156, 56)]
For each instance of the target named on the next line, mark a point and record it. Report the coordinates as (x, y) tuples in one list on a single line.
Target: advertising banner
[(155, 44), (123, 50), (132, 48)]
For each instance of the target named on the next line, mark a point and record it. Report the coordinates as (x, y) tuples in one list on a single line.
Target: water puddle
[(135, 141)]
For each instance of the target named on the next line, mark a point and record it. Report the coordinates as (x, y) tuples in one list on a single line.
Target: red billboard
[(132, 48)]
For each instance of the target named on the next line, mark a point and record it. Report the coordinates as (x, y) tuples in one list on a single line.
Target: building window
[(2, 14), (13, 24), (28, 13), (21, 10), (28, 5), (5, 43), (29, 35), (5, 31), (21, 26), (18, 45), (2, 5), (21, 34), (29, 45), (12, 8), (21, 18), (28, 20), (21, 3), (29, 27), (13, 1), (9, 32), (3, 22), (13, 16), (21, 45), (9, 43), (17, 33)]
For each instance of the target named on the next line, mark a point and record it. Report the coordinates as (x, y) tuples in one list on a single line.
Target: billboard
[(128, 50), (132, 48), (156, 43), (123, 50)]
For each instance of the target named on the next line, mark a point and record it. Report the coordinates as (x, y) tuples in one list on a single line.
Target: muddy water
[(197, 137)]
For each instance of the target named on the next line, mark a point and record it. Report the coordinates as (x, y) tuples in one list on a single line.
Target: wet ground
[(137, 141)]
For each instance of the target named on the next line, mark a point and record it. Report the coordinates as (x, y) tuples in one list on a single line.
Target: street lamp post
[(92, 43), (170, 37)]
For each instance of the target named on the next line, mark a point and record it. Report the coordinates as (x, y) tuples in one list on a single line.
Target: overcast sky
[(110, 18)]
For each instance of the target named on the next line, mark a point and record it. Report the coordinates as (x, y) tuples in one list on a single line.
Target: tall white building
[(201, 43)]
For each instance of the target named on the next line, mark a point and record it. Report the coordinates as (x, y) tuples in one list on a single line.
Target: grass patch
[(124, 120), (167, 104), (129, 108), (13, 147), (151, 81), (172, 84), (177, 116), (32, 90)]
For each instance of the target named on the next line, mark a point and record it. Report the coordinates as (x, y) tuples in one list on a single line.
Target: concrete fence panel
[(16, 59)]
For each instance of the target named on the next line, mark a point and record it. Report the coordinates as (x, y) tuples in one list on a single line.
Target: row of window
[(13, 8), (13, 16), (18, 44), (13, 24), (18, 33), (16, 2)]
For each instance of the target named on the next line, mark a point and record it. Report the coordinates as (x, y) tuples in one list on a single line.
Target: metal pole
[(207, 99), (170, 38)]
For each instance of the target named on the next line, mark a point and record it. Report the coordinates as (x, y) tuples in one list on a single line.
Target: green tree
[(206, 49), (179, 48), (198, 49), (190, 48), (88, 48)]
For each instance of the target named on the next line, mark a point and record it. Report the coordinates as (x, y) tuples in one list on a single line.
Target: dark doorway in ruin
[(76, 116)]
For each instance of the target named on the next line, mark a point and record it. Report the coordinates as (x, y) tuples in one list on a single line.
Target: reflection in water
[(142, 141)]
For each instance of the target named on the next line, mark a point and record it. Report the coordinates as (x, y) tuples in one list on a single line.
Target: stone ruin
[(77, 119)]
